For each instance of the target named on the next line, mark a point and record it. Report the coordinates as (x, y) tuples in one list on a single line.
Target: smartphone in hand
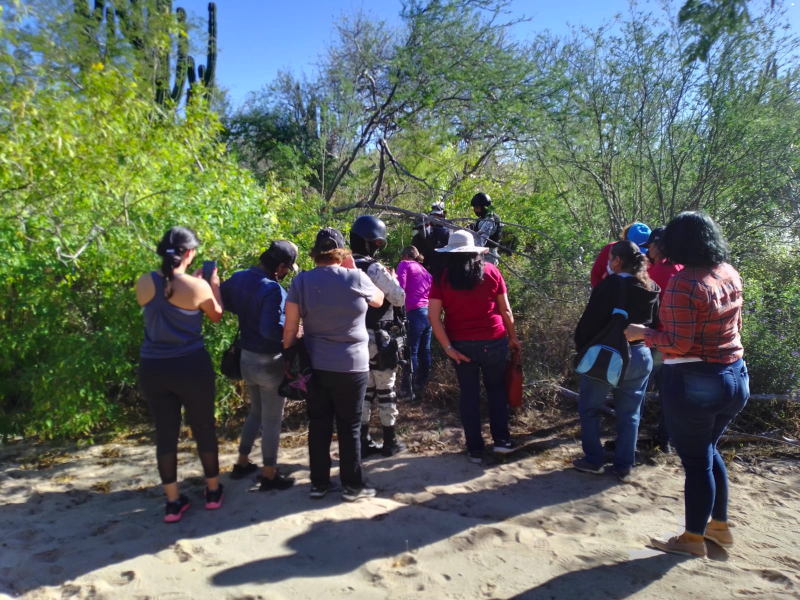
[(209, 266)]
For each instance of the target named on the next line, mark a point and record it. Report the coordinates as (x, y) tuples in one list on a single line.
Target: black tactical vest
[(384, 314)]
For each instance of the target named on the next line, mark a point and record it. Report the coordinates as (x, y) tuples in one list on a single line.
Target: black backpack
[(607, 356)]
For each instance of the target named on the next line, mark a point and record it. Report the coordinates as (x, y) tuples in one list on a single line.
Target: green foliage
[(771, 333), (707, 21), (89, 182)]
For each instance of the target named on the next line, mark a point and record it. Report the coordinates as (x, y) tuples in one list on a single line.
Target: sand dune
[(531, 528)]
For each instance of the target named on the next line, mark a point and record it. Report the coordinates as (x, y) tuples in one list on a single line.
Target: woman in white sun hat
[(476, 333)]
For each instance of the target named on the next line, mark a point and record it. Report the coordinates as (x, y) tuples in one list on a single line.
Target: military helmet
[(370, 228)]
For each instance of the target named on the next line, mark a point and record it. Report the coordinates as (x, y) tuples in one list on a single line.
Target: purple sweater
[(416, 281)]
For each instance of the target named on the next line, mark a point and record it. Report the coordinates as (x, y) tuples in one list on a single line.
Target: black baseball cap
[(281, 252), (656, 235), (328, 239)]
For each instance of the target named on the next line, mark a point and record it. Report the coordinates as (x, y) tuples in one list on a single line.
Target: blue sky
[(259, 37)]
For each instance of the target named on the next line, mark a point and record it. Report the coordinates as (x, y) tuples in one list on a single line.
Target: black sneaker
[(624, 475), (369, 447), (584, 466), (240, 472), (279, 482), (393, 447), (176, 509), (351, 494), (214, 499), (505, 447), (320, 491), (475, 456)]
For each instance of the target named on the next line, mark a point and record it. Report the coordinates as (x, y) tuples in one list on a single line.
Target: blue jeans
[(662, 434), (628, 399), (701, 399), (419, 340), (487, 357)]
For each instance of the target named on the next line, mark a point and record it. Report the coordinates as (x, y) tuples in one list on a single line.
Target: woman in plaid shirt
[(704, 378)]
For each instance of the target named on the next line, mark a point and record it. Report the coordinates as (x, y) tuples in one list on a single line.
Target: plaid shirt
[(702, 316)]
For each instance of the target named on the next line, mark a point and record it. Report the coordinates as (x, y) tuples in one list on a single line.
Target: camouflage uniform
[(380, 385)]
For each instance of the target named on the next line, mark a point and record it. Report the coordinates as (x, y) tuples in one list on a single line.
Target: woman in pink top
[(416, 281)]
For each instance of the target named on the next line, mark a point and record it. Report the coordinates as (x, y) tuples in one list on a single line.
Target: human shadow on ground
[(618, 580), (57, 536), (410, 527)]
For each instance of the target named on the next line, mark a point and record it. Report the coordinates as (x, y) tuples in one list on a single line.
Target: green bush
[(90, 182)]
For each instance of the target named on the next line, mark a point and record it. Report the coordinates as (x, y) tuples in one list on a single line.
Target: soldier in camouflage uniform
[(367, 235), (488, 228)]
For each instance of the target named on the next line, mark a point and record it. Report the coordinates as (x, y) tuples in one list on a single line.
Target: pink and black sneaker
[(214, 499), (176, 509)]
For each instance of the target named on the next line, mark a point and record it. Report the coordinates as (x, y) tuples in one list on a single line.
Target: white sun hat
[(462, 241)]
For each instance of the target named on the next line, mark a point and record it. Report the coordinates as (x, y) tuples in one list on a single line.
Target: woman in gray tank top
[(175, 369)]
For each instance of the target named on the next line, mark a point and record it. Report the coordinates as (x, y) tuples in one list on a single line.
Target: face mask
[(608, 268)]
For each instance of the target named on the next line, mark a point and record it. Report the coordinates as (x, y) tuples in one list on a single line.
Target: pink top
[(416, 281)]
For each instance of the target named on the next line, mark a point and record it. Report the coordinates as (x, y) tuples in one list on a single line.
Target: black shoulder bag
[(231, 363)]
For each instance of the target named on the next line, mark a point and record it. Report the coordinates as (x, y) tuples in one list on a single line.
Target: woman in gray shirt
[(332, 301)]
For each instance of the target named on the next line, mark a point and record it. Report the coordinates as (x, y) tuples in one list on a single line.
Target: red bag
[(514, 380)]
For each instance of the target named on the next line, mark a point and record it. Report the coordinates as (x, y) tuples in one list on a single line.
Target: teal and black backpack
[(607, 356)]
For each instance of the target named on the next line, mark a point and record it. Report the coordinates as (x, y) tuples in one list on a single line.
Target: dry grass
[(110, 453), (46, 460), (101, 487)]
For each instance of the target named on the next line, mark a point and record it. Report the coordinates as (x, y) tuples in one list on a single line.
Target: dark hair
[(412, 253), (692, 239), (633, 261), (464, 270), (175, 243)]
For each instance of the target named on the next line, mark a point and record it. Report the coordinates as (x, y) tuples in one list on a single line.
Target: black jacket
[(640, 303)]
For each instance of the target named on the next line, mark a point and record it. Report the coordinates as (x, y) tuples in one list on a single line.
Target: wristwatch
[(448, 348)]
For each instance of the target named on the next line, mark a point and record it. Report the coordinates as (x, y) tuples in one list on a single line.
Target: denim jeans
[(263, 373), (628, 399), (662, 434), (419, 341), (489, 358), (701, 399)]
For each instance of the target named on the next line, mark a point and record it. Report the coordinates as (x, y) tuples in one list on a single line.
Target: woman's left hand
[(456, 355), (635, 332), (515, 346)]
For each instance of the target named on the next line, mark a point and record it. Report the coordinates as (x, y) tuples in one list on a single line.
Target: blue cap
[(639, 234)]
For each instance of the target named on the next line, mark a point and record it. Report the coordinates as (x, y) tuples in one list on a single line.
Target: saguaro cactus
[(205, 73), (144, 24)]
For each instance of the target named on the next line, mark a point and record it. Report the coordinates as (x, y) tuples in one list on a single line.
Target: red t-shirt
[(662, 272), (472, 314), (600, 267)]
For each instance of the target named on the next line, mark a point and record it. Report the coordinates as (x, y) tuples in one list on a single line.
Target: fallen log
[(726, 439), (567, 393)]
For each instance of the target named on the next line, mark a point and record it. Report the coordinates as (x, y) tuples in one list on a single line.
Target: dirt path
[(90, 527)]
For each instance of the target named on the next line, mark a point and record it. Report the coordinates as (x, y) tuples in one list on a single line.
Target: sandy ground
[(529, 528)]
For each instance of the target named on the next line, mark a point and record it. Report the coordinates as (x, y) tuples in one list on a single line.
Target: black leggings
[(168, 384)]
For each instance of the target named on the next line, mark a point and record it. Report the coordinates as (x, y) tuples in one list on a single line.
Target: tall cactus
[(205, 73), (142, 23)]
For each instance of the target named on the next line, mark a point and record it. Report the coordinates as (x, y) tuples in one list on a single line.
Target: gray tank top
[(169, 331)]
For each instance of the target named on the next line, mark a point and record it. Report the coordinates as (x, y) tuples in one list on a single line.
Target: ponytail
[(412, 253), (633, 262), (175, 243)]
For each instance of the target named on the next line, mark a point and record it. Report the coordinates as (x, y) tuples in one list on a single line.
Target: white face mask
[(608, 268)]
